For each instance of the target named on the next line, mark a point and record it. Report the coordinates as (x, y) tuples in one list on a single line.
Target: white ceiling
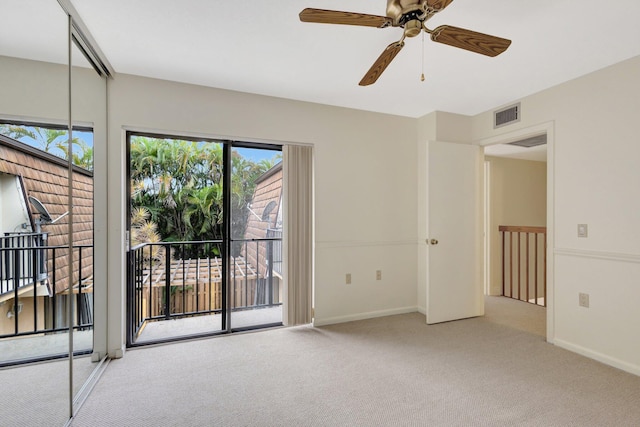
[(260, 46)]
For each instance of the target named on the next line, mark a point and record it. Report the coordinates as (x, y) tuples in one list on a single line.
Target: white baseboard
[(603, 358), (363, 316)]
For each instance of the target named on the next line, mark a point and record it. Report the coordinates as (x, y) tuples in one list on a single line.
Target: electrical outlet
[(378, 274), (583, 300), (348, 279), (583, 230)]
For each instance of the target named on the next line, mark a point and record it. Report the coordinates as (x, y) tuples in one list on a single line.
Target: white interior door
[(454, 232)]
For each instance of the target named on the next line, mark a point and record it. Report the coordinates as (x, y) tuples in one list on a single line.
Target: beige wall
[(25, 318), (518, 196), (367, 192), (365, 186), (595, 143)]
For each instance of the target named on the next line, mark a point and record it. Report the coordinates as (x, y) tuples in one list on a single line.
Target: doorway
[(205, 233), (519, 192)]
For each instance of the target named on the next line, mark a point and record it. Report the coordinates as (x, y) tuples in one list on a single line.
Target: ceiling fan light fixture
[(398, 9), (412, 28)]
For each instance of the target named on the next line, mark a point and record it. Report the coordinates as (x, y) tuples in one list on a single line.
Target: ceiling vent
[(533, 141), (506, 116)]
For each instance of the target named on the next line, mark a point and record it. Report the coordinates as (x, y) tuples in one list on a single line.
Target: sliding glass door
[(255, 261), (180, 281)]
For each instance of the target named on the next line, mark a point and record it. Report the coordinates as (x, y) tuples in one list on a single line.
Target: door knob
[(433, 242)]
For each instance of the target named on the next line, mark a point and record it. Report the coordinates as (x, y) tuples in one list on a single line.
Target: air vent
[(506, 116), (533, 141)]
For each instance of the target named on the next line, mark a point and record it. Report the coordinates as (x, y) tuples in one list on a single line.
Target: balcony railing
[(171, 280), (524, 263), (30, 302), (277, 249), (23, 260)]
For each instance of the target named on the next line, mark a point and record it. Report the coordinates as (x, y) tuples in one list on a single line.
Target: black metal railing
[(253, 283), (29, 272), (22, 254), (164, 283), (276, 233)]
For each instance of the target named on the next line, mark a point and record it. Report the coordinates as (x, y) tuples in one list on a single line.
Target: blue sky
[(86, 136), (255, 154)]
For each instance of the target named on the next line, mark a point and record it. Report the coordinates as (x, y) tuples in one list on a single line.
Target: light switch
[(583, 230), (583, 300)]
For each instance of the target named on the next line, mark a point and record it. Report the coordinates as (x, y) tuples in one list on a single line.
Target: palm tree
[(84, 158), (267, 164), (179, 183), (145, 231), (45, 138)]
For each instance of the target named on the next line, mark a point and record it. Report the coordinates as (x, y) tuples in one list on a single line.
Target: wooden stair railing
[(524, 263)]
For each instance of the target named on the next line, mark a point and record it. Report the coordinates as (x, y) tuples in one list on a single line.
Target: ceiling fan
[(411, 15)]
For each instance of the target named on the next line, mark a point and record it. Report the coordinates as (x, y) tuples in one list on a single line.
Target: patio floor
[(36, 346), (164, 329)]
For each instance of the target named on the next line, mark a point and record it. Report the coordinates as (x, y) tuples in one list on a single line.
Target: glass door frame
[(229, 232), (226, 321)]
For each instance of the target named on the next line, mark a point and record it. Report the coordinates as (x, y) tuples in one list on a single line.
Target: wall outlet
[(378, 274), (583, 300), (348, 279), (583, 230)]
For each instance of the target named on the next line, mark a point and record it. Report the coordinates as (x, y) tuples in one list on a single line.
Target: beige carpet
[(380, 372), (38, 394)]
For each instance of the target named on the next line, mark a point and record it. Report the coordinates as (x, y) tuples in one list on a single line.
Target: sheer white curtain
[(298, 236)]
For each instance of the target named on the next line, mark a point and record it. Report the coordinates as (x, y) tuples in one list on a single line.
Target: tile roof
[(45, 177)]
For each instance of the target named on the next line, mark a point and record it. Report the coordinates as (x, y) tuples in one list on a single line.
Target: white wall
[(596, 180), (13, 209), (365, 186), (518, 196)]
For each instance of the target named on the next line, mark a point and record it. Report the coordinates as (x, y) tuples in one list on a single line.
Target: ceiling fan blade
[(437, 5), (323, 16), (470, 40), (381, 63)]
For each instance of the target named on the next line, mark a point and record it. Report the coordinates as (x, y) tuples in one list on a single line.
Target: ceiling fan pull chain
[(422, 75)]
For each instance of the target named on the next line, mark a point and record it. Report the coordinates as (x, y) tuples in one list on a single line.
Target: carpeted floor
[(38, 394), (387, 371)]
